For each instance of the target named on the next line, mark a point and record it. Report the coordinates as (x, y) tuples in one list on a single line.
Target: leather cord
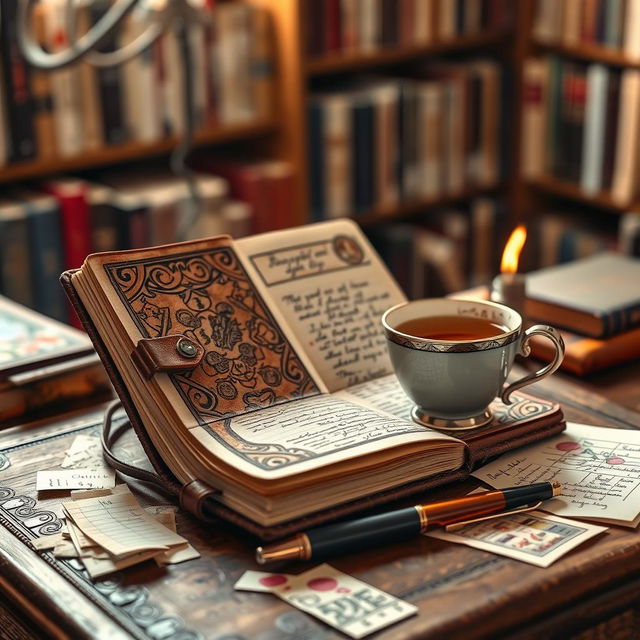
[(110, 437)]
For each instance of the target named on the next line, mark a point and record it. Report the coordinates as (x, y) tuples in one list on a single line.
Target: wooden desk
[(592, 593)]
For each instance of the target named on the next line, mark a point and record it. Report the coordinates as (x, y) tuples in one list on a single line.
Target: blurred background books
[(437, 124)]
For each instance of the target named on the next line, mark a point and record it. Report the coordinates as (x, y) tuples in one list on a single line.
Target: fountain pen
[(402, 524)]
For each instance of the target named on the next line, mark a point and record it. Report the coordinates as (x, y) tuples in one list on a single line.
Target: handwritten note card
[(347, 604), (75, 479), (120, 525), (599, 470), (85, 451), (532, 537)]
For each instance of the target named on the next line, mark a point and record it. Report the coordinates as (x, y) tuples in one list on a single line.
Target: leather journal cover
[(164, 317)]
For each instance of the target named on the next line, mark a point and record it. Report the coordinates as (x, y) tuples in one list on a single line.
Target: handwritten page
[(353, 607), (120, 525), (533, 537), (599, 470), (75, 479), (331, 289)]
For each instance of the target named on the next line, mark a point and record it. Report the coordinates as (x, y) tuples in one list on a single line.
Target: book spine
[(386, 147), (315, 135), (431, 105), (17, 80), (369, 23), (349, 25), (262, 64), (337, 154), (363, 160), (110, 88), (614, 13), (4, 130), (332, 26), (611, 127), (631, 38), (15, 268), (625, 169), (575, 121), (594, 130), (535, 78), (43, 106), (314, 20), (45, 245)]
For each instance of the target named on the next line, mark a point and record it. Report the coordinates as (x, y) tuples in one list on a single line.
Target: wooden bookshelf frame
[(349, 62), (588, 52), (131, 151)]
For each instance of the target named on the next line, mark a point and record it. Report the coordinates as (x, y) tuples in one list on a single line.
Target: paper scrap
[(65, 549), (83, 494), (47, 542), (599, 470), (85, 451), (166, 516), (120, 525), (345, 603), (57, 480), (98, 567), (534, 537), (261, 581)]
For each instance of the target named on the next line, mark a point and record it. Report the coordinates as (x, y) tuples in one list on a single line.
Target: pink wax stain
[(272, 581), (615, 461), (567, 446), (343, 590), (322, 584)]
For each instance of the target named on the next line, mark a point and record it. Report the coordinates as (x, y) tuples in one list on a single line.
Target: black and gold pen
[(402, 524)]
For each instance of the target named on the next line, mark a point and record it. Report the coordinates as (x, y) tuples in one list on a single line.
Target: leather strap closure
[(166, 353), (194, 496)]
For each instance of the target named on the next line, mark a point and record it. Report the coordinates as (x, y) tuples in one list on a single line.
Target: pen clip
[(458, 525)]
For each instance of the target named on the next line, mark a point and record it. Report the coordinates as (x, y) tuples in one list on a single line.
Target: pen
[(401, 524)]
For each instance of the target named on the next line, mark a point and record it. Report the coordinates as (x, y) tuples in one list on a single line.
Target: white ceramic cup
[(453, 382)]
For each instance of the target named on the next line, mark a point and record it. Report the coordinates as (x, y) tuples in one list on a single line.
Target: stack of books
[(581, 123), (374, 145), (362, 26), (597, 303), (83, 108), (44, 363)]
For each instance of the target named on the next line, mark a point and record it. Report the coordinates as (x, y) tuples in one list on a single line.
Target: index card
[(85, 451), (120, 525), (56, 480), (598, 468)]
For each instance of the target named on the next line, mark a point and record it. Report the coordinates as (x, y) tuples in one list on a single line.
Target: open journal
[(284, 399)]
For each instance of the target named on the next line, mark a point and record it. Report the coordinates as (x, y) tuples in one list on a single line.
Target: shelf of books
[(344, 62), (133, 150)]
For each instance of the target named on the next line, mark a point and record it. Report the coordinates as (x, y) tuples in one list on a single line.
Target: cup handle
[(525, 350)]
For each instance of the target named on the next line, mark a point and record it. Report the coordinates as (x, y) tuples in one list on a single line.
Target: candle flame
[(512, 250)]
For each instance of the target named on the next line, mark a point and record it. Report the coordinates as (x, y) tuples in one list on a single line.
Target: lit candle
[(509, 286)]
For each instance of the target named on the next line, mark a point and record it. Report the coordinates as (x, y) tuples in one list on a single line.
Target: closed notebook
[(257, 376)]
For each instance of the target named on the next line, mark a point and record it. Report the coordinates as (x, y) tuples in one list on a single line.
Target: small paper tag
[(262, 581), (85, 451), (341, 601), (75, 479)]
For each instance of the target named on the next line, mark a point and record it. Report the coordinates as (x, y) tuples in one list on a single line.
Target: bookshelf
[(130, 151)]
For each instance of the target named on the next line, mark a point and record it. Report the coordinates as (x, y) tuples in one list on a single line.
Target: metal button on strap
[(186, 348)]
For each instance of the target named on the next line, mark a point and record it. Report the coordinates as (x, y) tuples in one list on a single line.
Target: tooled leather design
[(207, 296)]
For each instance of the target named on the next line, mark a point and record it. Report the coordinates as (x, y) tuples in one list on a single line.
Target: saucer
[(420, 416)]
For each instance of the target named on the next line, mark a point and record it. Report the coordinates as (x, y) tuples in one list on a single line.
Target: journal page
[(329, 287)]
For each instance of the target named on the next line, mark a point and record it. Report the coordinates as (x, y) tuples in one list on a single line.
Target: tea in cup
[(452, 357)]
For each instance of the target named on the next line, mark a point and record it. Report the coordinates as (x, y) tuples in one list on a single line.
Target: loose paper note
[(599, 470), (75, 479), (347, 604), (533, 537), (85, 451), (120, 525)]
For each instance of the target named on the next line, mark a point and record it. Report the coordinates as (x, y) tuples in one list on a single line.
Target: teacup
[(452, 382)]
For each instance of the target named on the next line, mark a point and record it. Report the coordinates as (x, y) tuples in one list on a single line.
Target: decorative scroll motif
[(207, 296), (23, 509), (522, 408), (419, 344), (5, 463)]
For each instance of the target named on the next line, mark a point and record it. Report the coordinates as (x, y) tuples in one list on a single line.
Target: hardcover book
[(257, 374), (596, 296)]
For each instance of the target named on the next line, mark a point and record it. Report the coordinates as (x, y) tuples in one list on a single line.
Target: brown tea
[(451, 328)]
